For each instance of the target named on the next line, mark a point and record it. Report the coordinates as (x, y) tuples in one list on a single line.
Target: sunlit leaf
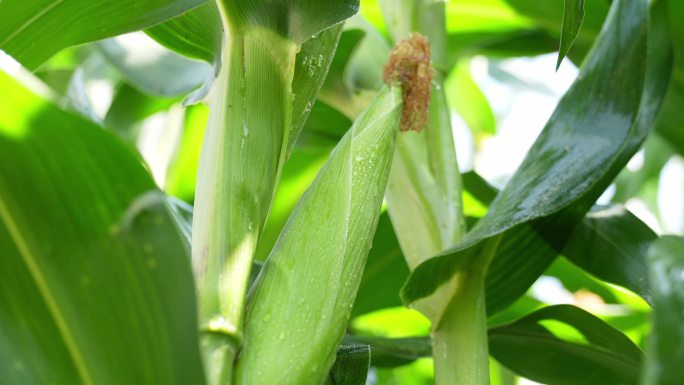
[(196, 34), (581, 149), (564, 345), (95, 279), (33, 31)]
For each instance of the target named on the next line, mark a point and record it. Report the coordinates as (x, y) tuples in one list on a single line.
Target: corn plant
[(247, 192)]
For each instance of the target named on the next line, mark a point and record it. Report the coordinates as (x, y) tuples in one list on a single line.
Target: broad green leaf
[(573, 17), (152, 68), (196, 34), (95, 279), (598, 125), (301, 305), (611, 244), (665, 352), (564, 345), (32, 32), (351, 365)]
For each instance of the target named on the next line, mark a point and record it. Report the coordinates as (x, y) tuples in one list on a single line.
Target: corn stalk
[(271, 70), (424, 203)]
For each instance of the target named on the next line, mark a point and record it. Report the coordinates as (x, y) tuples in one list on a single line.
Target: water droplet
[(267, 317), (281, 336)]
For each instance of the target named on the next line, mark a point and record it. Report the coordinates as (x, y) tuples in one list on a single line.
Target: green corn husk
[(300, 304)]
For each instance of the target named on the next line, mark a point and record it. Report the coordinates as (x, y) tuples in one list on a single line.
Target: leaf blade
[(573, 17), (110, 246)]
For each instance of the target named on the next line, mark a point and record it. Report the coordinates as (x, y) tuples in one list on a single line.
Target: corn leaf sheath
[(260, 101)]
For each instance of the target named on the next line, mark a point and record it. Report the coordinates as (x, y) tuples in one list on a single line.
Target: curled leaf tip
[(409, 65)]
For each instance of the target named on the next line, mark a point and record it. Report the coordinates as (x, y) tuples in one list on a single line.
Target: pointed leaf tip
[(409, 65)]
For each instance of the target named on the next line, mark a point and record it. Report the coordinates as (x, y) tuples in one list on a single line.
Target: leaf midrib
[(43, 288)]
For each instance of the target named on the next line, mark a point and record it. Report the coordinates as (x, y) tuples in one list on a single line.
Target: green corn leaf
[(32, 32), (573, 17), (393, 352), (611, 244), (564, 345), (95, 282), (196, 34), (549, 17), (577, 154), (304, 295), (351, 365), (665, 353)]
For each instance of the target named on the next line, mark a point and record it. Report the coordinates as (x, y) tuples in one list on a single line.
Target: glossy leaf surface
[(584, 145), (33, 31), (95, 279)]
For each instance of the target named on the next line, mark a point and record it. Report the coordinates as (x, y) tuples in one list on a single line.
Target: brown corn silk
[(409, 65)]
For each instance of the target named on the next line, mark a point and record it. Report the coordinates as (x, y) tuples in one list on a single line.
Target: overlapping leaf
[(564, 345), (34, 31), (95, 279), (586, 142), (664, 348)]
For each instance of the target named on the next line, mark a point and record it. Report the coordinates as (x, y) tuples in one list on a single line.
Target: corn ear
[(424, 190), (302, 300)]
